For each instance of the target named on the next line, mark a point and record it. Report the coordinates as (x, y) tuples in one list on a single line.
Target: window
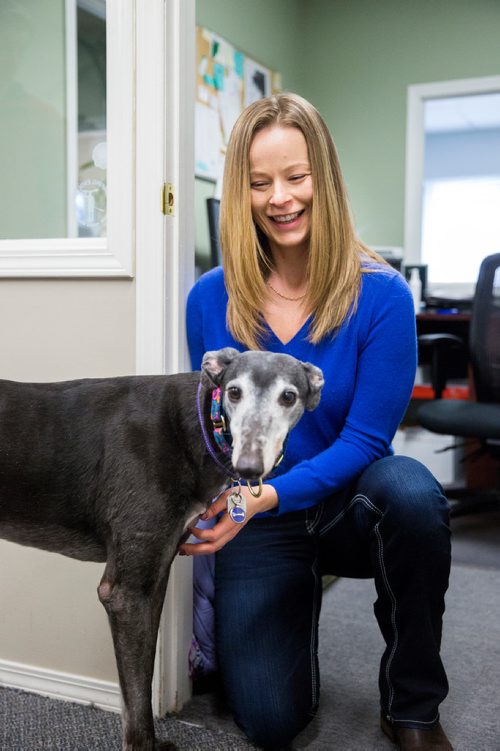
[(460, 226), (66, 146), (452, 219)]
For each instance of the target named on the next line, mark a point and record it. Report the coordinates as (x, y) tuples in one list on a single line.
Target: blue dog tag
[(236, 507), (238, 514)]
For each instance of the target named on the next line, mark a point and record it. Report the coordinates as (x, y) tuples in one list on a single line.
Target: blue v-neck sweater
[(369, 369)]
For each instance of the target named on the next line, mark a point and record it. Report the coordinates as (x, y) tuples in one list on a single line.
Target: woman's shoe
[(413, 739)]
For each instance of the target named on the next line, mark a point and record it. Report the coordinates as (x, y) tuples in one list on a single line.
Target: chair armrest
[(441, 344), (450, 341)]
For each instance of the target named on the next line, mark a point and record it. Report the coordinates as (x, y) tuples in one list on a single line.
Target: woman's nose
[(279, 195)]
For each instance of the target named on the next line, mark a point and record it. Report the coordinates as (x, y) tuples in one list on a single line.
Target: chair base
[(464, 501)]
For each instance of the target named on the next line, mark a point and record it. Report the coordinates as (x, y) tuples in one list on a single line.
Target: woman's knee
[(404, 487), (275, 725), (273, 692)]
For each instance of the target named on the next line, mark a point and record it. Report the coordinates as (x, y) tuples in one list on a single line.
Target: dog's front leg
[(133, 596)]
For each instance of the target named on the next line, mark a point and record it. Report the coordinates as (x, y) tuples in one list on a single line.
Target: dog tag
[(237, 507)]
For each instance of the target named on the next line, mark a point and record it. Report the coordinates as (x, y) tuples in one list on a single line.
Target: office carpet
[(350, 646), (29, 722)]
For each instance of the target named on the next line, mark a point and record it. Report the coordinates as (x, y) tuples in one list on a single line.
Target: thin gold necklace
[(290, 299)]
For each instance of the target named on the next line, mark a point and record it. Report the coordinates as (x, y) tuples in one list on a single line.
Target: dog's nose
[(250, 468)]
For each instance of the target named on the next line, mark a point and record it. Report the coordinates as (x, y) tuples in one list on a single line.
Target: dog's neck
[(214, 427), (220, 432)]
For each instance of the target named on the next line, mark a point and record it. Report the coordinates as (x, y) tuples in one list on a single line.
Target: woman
[(297, 280)]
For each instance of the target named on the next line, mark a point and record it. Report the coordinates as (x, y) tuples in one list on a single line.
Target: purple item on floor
[(202, 657)]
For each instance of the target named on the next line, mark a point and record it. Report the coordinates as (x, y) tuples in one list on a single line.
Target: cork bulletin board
[(228, 80)]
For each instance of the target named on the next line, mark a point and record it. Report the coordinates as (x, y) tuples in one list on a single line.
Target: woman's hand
[(225, 529)]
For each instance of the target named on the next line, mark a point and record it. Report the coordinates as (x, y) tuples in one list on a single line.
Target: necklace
[(290, 299)]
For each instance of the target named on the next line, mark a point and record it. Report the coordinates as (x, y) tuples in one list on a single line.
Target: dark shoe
[(411, 739)]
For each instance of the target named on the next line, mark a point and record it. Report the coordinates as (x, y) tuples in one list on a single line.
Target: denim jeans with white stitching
[(391, 525)]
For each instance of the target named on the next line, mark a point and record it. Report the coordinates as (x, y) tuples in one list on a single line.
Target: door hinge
[(168, 199)]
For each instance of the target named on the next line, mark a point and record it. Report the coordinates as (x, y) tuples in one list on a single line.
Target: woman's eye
[(296, 178), (234, 394), (258, 185), (288, 398)]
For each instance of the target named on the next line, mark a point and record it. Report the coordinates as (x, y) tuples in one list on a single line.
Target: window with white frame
[(452, 181), (66, 145), (461, 188)]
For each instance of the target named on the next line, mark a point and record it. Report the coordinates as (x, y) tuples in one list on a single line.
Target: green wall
[(354, 59)]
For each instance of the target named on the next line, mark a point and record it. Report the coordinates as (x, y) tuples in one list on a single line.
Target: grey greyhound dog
[(115, 469)]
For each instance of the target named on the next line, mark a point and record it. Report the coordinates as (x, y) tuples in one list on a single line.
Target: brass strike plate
[(168, 199)]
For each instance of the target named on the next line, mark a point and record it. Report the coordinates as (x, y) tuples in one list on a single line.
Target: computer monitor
[(213, 207), (393, 256)]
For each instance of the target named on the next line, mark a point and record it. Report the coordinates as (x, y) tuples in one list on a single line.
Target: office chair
[(477, 420)]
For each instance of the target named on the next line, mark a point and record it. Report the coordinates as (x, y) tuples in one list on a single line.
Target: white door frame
[(165, 61), (415, 145)]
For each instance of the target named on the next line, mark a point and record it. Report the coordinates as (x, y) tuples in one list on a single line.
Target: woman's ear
[(316, 382), (215, 362)]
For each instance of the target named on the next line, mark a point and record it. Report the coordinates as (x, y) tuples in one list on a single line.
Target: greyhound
[(115, 470)]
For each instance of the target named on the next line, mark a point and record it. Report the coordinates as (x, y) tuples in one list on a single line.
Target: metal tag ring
[(252, 492)]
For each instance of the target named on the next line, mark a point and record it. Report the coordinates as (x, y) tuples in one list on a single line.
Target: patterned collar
[(222, 435)]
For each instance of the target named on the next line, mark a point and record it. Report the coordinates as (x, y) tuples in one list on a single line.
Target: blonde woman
[(296, 279)]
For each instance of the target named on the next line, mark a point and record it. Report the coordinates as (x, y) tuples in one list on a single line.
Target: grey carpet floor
[(29, 722), (350, 646), (476, 540)]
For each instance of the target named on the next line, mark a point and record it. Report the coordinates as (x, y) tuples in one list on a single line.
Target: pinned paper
[(227, 81)]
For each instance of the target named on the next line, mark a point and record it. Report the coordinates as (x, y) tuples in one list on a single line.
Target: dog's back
[(75, 454)]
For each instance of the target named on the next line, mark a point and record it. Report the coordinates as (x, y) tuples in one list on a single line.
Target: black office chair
[(480, 419)]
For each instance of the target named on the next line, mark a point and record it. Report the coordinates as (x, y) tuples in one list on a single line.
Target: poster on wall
[(227, 82)]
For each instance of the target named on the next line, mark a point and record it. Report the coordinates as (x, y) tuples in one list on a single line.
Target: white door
[(80, 198), (165, 260)]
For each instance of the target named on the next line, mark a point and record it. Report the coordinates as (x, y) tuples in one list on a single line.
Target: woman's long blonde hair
[(334, 263)]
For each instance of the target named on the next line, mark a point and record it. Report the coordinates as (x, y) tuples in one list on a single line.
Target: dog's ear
[(316, 381), (215, 362)]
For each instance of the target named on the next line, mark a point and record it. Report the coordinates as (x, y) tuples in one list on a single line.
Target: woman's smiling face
[(281, 187)]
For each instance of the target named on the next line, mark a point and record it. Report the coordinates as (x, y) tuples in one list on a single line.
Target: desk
[(450, 323)]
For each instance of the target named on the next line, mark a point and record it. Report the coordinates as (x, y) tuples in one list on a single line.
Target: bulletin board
[(228, 80)]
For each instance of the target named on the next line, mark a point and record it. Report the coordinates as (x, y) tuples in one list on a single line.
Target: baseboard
[(57, 685)]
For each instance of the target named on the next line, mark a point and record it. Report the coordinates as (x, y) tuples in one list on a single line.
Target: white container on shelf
[(415, 284), (423, 445)]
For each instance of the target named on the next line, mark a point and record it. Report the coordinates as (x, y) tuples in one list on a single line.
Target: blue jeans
[(392, 525)]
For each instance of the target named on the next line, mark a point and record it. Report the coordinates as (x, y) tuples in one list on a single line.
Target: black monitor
[(393, 256), (213, 207)]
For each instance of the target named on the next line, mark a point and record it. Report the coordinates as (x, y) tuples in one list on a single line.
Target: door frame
[(164, 145)]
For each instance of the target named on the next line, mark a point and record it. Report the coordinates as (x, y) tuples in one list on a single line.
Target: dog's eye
[(288, 398), (234, 394)]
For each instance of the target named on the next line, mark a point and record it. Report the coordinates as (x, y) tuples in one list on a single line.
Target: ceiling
[(479, 111)]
